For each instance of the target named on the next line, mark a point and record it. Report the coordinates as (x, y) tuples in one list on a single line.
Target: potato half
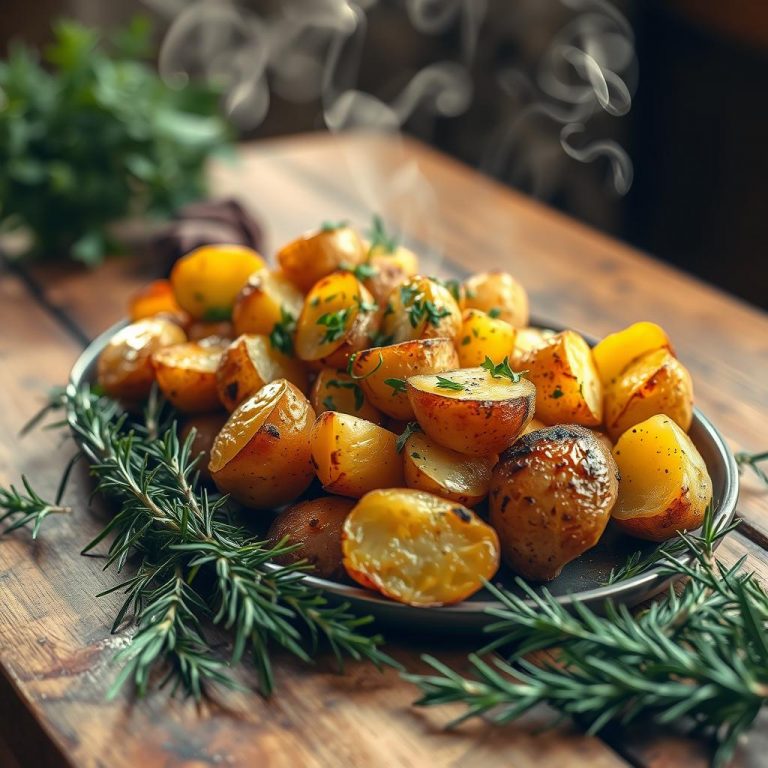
[(617, 350), (500, 295), (551, 498), (314, 528), (338, 391), (665, 486), (483, 336), (382, 371), (654, 383), (262, 457), (124, 368), (568, 389), (352, 456), (337, 319), (470, 410), (417, 548), (249, 363), (268, 298), (431, 467)]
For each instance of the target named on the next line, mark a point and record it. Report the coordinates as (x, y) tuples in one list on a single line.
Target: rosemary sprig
[(19, 509), (751, 460)]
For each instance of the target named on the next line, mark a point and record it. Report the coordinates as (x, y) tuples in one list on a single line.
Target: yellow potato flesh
[(417, 548), (616, 351), (483, 336)]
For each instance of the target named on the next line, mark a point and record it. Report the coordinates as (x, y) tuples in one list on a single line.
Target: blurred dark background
[(696, 132)]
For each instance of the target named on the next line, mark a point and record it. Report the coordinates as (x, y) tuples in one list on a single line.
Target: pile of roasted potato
[(445, 432)]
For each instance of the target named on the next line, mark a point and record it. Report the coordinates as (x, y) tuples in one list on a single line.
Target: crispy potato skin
[(207, 280), (399, 361), (568, 390), (263, 302), (352, 456), (617, 351), (314, 527), (124, 368), (207, 427), (249, 363), (498, 292), (336, 391), (665, 486), (315, 255), (483, 336), (271, 464), (551, 498), (391, 270), (417, 548), (186, 374), (454, 476)]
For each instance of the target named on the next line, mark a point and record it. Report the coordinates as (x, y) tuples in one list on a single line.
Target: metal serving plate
[(583, 580)]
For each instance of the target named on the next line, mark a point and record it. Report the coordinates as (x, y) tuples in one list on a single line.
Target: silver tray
[(583, 580)]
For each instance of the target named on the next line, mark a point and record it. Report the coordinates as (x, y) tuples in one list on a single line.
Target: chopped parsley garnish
[(329, 404), (502, 370), (381, 339), (217, 314), (452, 284), (557, 393), (494, 312), (364, 271), (466, 340), (366, 306), (408, 293), (380, 238), (330, 226), (426, 308), (281, 337), (443, 383), (398, 385), (335, 324), (359, 396), (410, 428)]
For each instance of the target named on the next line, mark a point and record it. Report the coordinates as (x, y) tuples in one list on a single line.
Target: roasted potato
[(314, 529), (665, 486), (528, 340), (615, 352), (315, 255), (338, 391), (124, 368), (249, 363), (155, 299), (472, 411), (384, 270), (206, 281), (420, 308), (551, 498), (483, 336), (338, 318), (500, 295), (654, 383), (262, 457), (417, 548), (206, 426), (352, 456), (267, 299), (186, 375), (431, 467), (382, 371), (568, 389)]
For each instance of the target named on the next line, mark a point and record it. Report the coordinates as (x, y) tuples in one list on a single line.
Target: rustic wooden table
[(55, 646)]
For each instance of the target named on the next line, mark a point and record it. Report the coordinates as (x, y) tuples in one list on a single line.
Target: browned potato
[(385, 270), (664, 486), (249, 363), (528, 340), (431, 467), (551, 498), (382, 371), (338, 319), (314, 528), (420, 308), (207, 427), (338, 391), (483, 336), (124, 369), (352, 456), (500, 295), (654, 383), (568, 389), (472, 411), (269, 298), (261, 457), (315, 255)]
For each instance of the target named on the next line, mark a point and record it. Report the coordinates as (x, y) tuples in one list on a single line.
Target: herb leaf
[(443, 383), (335, 324), (398, 385), (281, 337), (410, 428), (330, 226), (379, 237), (502, 370)]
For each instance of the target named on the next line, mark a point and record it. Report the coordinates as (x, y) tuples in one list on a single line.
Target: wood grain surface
[(55, 647)]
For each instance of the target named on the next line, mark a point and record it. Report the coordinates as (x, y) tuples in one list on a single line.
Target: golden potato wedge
[(262, 457), (384, 270), (249, 363), (617, 350), (551, 498), (124, 368), (186, 374), (483, 336), (654, 383), (316, 255), (207, 427), (665, 486), (155, 299), (352, 456), (528, 340), (314, 528), (268, 299), (337, 319), (471, 410), (338, 391), (568, 389), (417, 548), (382, 371), (500, 295), (420, 308), (207, 280), (430, 467)]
